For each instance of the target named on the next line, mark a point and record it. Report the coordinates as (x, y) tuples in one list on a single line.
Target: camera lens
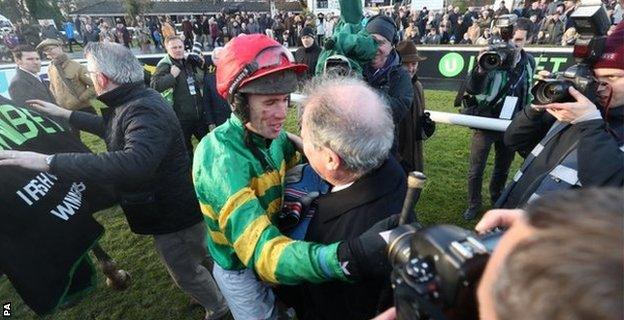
[(550, 92), (490, 60), (399, 242)]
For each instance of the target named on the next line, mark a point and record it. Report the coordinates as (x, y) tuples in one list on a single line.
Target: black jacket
[(394, 82), (187, 107), (146, 160), (216, 109), (308, 56), (345, 215), (600, 159)]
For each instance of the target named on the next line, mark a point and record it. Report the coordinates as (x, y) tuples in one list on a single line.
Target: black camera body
[(436, 270), (579, 76), (502, 55), (592, 23)]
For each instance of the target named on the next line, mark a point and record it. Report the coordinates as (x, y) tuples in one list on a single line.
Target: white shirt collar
[(32, 74), (341, 187)]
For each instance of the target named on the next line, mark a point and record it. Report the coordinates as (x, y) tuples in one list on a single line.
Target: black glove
[(366, 256)]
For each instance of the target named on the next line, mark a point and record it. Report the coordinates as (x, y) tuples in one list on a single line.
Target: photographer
[(573, 144), (183, 76), (496, 93), (561, 259)]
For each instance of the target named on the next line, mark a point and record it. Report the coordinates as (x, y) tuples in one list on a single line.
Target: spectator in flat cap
[(69, 81), (309, 53), (411, 131), (385, 73)]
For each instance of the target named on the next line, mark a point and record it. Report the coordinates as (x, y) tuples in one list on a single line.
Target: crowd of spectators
[(550, 22), (149, 32), (550, 25)]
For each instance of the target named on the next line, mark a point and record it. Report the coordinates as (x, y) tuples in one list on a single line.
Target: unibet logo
[(451, 64)]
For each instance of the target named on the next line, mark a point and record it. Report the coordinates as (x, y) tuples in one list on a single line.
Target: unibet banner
[(46, 227), (446, 67)]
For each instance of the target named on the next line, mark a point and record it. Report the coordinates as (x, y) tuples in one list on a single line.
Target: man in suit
[(26, 84), (367, 186)]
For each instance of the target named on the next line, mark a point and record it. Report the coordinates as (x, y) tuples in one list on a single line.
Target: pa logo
[(6, 310), (451, 64)]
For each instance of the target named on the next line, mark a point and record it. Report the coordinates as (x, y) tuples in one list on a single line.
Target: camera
[(592, 23), (501, 55), (436, 270)]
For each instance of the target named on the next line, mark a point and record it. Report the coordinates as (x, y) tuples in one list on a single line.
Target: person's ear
[(102, 80), (333, 160)]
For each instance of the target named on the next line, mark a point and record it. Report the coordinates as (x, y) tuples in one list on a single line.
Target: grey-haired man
[(347, 134)]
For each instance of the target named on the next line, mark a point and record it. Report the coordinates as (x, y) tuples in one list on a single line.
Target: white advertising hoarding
[(430, 4)]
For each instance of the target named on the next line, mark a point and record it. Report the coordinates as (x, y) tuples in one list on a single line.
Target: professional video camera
[(592, 23), (436, 269), (501, 55)]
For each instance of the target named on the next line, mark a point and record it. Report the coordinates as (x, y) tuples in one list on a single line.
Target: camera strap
[(513, 88), (499, 96), (505, 89)]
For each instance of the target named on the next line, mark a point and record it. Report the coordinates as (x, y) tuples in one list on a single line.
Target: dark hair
[(20, 49), (523, 24), (571, 267)]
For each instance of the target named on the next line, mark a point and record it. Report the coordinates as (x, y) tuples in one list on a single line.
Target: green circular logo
[(451, 64)]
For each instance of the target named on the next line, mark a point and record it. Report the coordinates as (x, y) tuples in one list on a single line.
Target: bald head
[(348, 117)]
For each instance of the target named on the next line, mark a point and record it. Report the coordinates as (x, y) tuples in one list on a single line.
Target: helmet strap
[(241, 106)]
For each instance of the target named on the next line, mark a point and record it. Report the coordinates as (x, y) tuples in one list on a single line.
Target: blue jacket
[(69, 30)]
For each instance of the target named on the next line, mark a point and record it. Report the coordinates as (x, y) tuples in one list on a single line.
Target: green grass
[(153, 294)]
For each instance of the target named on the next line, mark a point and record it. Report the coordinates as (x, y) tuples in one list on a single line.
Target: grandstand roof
[(116, 8)]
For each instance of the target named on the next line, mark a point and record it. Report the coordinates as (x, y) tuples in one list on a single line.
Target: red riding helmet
[(250, 57)]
